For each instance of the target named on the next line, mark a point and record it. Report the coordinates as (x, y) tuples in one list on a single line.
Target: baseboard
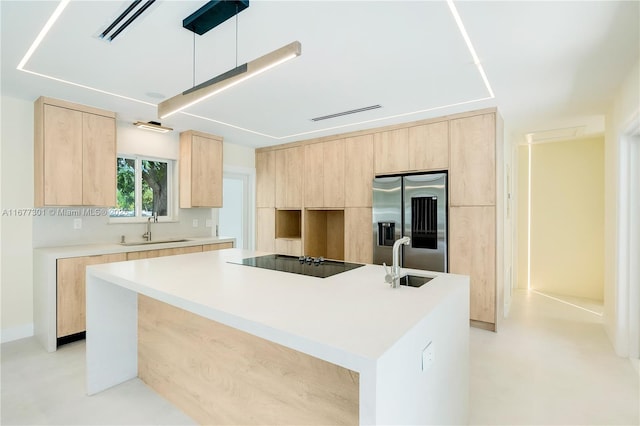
[(16, 333)]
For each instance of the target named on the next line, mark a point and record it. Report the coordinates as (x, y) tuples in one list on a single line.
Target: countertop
[(349, 319), (108, 248)]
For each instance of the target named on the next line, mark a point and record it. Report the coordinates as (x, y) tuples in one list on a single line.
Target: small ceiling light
[(228, 79), (154, 126)]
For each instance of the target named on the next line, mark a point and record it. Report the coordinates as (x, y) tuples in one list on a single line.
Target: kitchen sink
[(414, 280), (144, 243)]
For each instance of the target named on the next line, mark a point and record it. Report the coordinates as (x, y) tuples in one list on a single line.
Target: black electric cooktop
[(303, 265)]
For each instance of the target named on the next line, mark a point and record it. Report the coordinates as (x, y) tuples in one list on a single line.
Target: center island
[(234, 344)]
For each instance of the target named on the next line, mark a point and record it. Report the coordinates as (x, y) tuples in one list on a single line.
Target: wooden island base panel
[(220, 375)]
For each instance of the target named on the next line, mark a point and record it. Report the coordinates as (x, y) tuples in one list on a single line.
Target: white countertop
[(109, 248), (349, 319)]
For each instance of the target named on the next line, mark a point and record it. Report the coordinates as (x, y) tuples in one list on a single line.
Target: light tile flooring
[(550, 364)]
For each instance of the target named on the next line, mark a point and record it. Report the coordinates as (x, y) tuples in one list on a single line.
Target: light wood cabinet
[(314, 175), (324, 174), (289, 177), (358, 235), (429, 147), (200, 170), (149, 254), (472, 172), (217, 246), (333, 182), (472, 251), (391, 151), (74, 155), (266, 179), (358, 171), (71, 291), (289, 246), (265, 229)]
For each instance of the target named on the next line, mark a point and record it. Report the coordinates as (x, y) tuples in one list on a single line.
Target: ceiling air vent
[(130, 14), (352, 111)]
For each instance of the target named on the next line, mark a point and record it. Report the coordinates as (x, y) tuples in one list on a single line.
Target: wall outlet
[(195, 223), (208, 223), (77, 223), (427, 356)]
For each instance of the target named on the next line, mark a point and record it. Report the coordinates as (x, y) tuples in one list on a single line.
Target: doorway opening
[(236, 218)]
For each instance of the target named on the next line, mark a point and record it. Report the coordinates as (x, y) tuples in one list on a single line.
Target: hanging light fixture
[(228, 79), (154, 126), (212, 14)]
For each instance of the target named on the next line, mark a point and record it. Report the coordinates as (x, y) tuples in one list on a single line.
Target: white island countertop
[(353, 319)]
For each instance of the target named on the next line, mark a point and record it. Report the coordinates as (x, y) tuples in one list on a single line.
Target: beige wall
[(567, 217)]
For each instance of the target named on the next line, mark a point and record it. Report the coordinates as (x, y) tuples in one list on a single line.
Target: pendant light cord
[(236, 35), (194, 59)]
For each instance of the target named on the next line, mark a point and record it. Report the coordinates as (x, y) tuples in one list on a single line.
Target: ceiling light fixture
[(228, 79), (154, 126)]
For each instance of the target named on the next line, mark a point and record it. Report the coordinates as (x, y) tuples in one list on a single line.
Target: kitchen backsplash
[(58, 229)]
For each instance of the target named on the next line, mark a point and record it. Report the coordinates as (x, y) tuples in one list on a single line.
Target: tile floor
[(550, 364)]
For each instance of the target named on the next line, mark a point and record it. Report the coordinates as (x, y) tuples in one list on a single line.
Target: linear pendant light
[(154, 126), (228, 79)]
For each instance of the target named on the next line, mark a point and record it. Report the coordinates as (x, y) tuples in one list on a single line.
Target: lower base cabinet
[(70, 283), (70, 294), (289, 246)]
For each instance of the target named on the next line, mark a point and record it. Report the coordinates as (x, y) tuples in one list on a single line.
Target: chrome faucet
[(393, 278), (147, 235)]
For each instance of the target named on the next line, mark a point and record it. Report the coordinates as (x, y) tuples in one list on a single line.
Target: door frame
[(248, 177)]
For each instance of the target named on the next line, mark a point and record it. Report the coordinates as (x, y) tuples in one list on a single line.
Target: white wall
[(20, 234), (623, 110), (17, 193)]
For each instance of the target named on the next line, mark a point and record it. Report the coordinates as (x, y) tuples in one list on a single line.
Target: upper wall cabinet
[(429, 146), (324, 172), (391, 149), (74, 154), (472, 172), (200, 170), (358, 172), (289, 177), (266, 179)]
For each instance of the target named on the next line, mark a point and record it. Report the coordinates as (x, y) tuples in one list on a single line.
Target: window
[(143, 187)]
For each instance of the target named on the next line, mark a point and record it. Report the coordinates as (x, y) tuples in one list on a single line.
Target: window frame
[(172, 211)]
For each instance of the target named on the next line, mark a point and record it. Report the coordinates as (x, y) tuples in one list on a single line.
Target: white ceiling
[(550, 64)]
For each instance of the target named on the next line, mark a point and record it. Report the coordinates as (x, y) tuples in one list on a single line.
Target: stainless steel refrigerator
[(414, 206)]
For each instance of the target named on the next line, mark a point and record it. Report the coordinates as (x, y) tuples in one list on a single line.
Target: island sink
[(414, 280)]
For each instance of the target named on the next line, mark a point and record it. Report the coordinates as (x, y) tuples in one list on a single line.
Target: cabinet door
[(358, 235), (206, 172), (472, 251), (333, 177), (358, 171), (98, 160), (146, 254), (216, 246), (265, 229), (71, 291), (314, 175), (429, 146), (291, 247), (266, 179), (472, 173), (289, 177), (391, 151), (179, 250), (62, 173)]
